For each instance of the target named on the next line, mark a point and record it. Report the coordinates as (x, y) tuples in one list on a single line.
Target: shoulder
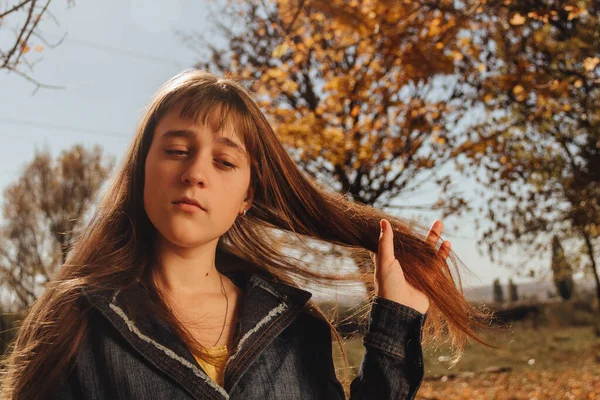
[(312, 327)]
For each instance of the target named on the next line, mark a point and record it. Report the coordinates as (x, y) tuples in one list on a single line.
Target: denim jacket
[(282, 352)]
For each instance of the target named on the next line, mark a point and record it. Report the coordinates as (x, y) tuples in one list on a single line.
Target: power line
[(111, 49), (116, 50), (69, 128)]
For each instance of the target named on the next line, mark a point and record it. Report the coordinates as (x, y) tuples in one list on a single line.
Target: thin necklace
[(226, 307)]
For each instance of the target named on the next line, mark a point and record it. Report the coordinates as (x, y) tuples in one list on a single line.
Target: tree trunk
[(2, 342), (590, 249)]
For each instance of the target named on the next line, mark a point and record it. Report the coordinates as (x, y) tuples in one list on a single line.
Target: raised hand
[(390, 282)]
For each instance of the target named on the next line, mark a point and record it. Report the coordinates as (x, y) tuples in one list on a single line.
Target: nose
[(194, 173)]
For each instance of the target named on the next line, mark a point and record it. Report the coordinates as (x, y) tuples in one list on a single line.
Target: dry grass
[(544, 363)]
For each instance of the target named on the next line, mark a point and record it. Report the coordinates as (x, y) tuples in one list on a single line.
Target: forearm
[(392, 366)]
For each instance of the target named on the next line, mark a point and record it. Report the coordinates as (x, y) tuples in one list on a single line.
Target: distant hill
[(539, 290), (526, 290)]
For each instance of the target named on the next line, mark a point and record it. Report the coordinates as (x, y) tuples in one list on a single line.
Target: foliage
[(372, 99), (358, 99), (536, 78), (42, 210)]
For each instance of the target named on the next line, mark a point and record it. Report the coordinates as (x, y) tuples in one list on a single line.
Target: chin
[(187, 237)]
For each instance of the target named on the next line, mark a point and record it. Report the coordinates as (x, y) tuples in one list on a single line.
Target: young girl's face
[(189, 160)]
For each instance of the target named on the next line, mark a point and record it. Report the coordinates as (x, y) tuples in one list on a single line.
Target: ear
[(249, 197)]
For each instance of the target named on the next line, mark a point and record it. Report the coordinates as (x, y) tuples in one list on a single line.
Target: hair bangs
[(219, 106)]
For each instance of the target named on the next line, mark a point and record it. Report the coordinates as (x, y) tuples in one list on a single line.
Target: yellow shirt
[(215, 372)]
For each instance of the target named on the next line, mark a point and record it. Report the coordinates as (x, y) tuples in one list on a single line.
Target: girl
[(178, 288)]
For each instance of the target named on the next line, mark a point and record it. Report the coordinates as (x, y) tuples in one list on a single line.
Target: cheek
[(153, 184)]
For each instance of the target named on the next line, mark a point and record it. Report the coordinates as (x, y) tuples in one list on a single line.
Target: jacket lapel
[(159, 345), (267, 308)]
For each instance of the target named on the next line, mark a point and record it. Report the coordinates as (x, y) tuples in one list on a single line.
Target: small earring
[(244, 213)]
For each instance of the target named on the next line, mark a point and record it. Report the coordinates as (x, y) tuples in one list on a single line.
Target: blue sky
[(115, 55)]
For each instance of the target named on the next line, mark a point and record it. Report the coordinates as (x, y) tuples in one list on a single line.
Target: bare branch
[(15, 8), (13, 59)]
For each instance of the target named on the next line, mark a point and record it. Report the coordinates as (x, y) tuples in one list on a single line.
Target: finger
[(444, 251), (385, 254), (434, 232)]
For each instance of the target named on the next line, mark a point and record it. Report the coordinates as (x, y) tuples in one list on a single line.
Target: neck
[(187, 271)]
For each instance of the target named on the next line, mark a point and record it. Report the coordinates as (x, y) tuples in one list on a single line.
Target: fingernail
[(381, 225)]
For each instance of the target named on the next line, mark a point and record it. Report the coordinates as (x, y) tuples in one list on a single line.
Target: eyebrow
[(187, 133)]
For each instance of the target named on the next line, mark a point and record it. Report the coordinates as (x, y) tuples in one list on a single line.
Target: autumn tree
[(498, 292), (23, 18), (562, 272), (356, 91), (513, 294), (42, 211), (536, 84)]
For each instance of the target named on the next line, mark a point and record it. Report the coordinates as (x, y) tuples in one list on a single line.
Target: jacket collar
[(267, 307)]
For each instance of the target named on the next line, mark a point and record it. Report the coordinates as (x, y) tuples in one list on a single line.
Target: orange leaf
[(590, 63), (517, 90), (517, 19)]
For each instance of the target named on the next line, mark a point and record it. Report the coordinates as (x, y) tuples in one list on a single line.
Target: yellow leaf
[(517, 90), (438, 139), (25, 49), (439, 45), (517, 19), (578, 83), (465, 41), (481, 67), (280, 50), (567, 107), (590, 63), (542, 100), (457, 55), (488, 97), (434, 27), (39, 48), (355, 111)]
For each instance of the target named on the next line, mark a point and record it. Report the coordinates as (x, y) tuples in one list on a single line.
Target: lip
[(189, 202)]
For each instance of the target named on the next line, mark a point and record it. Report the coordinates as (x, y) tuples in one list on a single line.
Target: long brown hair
[(112, 252)]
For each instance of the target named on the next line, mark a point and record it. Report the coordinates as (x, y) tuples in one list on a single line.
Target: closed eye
[(227, 164), (177, 152)]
